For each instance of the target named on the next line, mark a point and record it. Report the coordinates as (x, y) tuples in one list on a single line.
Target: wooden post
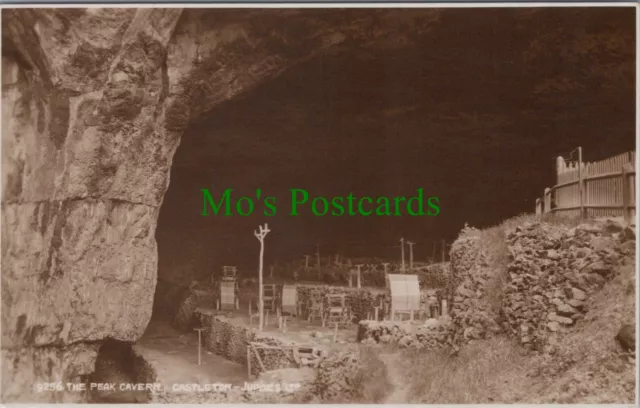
[(581, 184), (335, 333), (402, 252), (249, 361), (306, 261), (260, 234), (318, 262), (433, 255), (199, 330), (359, 279), (411, 244), (444, 249), (626, 193)]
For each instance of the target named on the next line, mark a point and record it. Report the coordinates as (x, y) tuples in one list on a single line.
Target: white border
[(326, 5), (386, 5)]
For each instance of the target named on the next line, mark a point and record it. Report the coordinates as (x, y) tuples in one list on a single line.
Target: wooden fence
[(589, 190)]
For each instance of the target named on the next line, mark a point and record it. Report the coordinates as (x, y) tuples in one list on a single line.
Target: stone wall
[(554, 271), (230, 340), (473, 280), (361, 301), (336, 376), (534, 279), (431, 334)]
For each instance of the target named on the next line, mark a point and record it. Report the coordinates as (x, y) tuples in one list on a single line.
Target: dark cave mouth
[(124, 370)]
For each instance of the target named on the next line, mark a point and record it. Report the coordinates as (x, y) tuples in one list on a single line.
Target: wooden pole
[(318, 261), (402, 252), (626, 194), (249, 361), (433, 254), (359, 278), (199, 330), (444, 246), (581, 184), (260, 234), (411, 244)]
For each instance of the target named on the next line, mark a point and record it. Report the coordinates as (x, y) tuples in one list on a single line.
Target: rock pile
[(431, 334), (553, 272)]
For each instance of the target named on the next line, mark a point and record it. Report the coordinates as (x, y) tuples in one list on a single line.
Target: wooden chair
[(228, 289), (315, 307), (289, 300), (270, 296), (228, 299), (337, 311)]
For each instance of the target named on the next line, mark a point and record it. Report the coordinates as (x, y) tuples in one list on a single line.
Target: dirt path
[(400, 393), (174, 355)]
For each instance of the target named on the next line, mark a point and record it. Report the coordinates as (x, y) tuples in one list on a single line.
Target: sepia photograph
[(319, 204)]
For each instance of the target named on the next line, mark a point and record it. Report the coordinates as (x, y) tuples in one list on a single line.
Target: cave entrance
[(317, 126), (313, 127)]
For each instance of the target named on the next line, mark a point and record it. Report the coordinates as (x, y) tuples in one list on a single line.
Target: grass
[(372, 383), (483, 372)]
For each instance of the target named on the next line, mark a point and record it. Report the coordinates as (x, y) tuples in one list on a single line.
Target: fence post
[(581, 184), (547, 201), (626, 197)]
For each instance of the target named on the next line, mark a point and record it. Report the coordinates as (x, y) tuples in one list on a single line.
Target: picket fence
[(591, 190)]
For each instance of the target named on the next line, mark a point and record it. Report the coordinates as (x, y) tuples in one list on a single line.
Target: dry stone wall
[(361, 301), (431, 334), (544, 283), (228, 339), (336, 376), (555, 270), (472, 281)]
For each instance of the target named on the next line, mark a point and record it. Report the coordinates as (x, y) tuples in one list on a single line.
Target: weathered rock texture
[(94, 104), (543, 284), (84, 171)]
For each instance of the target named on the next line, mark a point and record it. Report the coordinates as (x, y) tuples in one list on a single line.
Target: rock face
[(84, 171)]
